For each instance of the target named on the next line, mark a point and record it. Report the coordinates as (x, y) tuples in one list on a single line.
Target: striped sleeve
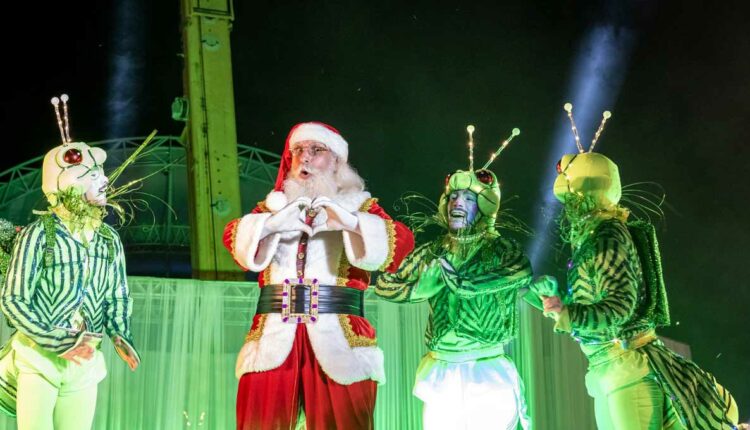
[(502, 266), (417, 278), (24, 273), (615, 279), (118, 304)]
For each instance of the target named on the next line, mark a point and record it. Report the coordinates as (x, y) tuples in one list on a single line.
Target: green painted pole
[(213, 173)]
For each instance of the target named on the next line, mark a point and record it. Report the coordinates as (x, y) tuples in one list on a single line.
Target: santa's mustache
[(306, 170)]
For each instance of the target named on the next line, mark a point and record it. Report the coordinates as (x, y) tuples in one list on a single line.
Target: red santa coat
[(344, 345)]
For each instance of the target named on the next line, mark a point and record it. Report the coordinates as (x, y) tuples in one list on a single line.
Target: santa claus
[(315, 239)]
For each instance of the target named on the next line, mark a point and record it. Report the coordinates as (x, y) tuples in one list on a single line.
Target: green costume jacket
[(472, 298)]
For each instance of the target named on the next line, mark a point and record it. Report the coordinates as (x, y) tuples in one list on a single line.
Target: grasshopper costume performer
[(315, 240), (64, 288), (470, 276), (614, 301)]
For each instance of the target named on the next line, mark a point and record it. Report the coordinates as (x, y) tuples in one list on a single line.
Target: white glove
[(289, 218), (332, 216)]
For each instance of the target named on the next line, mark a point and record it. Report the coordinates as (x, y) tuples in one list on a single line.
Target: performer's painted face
[(311, 158), (462, 209), (96, 193)]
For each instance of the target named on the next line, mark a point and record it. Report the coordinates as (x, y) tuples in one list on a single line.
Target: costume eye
[(559, 167), (447, 179), (484, 177), (73, 156)]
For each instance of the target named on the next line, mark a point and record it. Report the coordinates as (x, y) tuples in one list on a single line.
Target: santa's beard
[(319, 184)]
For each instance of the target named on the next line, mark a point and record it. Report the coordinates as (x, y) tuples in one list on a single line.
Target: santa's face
[(462, 209), (96, 193), (311, 158)]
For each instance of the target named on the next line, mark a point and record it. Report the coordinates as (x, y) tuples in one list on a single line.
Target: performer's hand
[(289, 218), (336, 217), (544, 285), (552, 304), (79, 354), (125, 352), (83, 349)]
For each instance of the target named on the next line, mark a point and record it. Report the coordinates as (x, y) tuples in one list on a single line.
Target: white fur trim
[(312, 131), (369, 249), (276, 201), (249, 250), (270, 351), (341, 362)]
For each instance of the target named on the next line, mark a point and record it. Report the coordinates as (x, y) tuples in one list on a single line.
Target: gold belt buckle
[(286, 302)]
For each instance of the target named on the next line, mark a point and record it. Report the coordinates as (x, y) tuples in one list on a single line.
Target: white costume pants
[(477, 394), (53, 393)]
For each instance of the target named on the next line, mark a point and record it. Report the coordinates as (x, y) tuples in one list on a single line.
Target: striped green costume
[(466, 380), (472, 307), (612, 309), (53, 281)]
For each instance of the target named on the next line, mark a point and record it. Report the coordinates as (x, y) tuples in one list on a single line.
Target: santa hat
[(301, 132)]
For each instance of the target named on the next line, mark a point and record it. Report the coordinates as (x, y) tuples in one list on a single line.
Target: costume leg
[(490, 387), (330, 405), (638, 406), (36, 402), (270, 399), (440, 415), (481, 394), (75, 411), (601, 413)]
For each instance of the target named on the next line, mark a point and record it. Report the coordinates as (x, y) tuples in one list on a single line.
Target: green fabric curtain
[(189, 332)]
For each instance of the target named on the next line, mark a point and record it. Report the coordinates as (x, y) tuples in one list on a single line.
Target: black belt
[(303, 302)]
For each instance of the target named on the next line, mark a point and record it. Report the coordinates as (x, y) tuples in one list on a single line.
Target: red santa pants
[(271, 399)]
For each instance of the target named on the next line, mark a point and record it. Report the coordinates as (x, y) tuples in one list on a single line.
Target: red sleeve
[(400, 239), (230, 232)]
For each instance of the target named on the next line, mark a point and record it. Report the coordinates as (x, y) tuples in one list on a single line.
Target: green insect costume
[(64, 289), (471, 278), (615, 299)]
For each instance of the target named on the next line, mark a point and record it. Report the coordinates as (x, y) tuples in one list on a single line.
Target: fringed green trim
[(654, 306), (48, 221)]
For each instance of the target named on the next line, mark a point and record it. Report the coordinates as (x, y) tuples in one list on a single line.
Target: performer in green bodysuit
[(614, 300), (470, 276)]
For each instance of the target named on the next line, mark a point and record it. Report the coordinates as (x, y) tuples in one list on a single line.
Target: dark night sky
[(401, 83)]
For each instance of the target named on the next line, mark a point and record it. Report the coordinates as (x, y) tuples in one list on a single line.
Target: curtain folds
[(189, 332)]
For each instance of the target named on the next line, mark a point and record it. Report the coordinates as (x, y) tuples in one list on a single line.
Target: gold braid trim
[(254, 334), (235, 227), (262, 206), (367, 205), (343, 274), (390, 228), (266, 274), (354, 339)]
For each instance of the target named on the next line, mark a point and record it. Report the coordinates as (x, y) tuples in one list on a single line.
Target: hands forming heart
[(332, 217), (328, 216), (290, 218)]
